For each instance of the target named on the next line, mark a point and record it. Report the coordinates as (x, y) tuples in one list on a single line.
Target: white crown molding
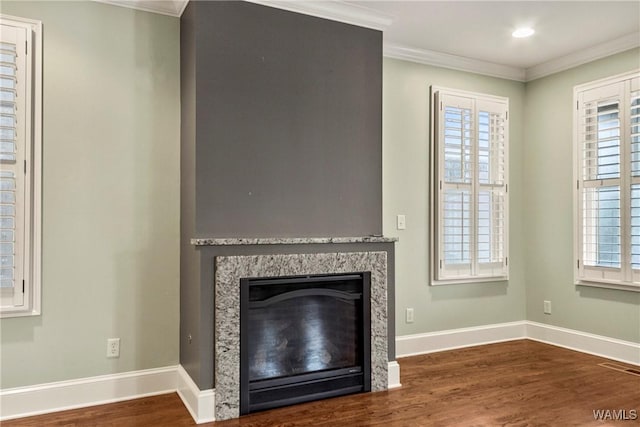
[(334, 10), (168, 7), (454, 62), (370, 18), (583, 56), (182, 6)]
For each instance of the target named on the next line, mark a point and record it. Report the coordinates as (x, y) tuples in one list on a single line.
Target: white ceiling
[(476, 35), (482, 29)]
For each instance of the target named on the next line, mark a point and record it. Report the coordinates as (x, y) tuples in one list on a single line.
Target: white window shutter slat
[(13, 65), (607, 144), (471, 136)]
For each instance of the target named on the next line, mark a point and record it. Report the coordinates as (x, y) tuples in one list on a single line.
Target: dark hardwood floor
[(518, 383)]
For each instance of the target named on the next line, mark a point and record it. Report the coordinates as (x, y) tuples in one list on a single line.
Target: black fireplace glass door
[(303, 338), (303, 333)]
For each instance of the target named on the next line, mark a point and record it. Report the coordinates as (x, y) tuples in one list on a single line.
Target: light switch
[(401, 222)]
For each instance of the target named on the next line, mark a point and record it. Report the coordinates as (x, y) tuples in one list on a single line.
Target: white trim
[(394, 375), (453, 62), (461, 63), (33, 175), (605, 285), (199, 403), (617, 86), (370, 18), (584, 56), (598, 345), (472, 272), (159, 7), (333, 10), (469, 280), (413, 345), (604, 81), (63, 395), (182, 7)]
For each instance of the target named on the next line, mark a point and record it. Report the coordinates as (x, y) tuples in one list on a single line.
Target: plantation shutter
[(634, 169), (13, 131), (492, 188), (608, 187), (471, 204), (599, 127)]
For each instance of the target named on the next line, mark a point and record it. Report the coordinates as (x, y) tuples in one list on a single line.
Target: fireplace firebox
[(303, 338)]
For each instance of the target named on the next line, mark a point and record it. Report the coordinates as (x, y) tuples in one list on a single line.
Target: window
[(469, 197), (607, 191), (20, 166)]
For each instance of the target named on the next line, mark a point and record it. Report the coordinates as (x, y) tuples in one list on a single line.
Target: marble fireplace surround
[(228, 272)]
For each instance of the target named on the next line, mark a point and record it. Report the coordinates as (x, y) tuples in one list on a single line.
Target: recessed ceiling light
[(523, 32)]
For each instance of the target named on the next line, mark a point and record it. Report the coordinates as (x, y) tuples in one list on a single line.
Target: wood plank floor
[(518, 383)]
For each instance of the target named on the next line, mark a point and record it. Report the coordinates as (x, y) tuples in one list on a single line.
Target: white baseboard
[(199, 403), (63, 395), (598, 345), (394, 375), (412, 345)]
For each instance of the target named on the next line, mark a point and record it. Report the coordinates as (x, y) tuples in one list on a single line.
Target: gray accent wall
[(281, 137), (288, 123)]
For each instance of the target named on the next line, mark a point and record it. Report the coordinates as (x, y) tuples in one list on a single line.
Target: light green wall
[(111, 200), (541, 209), (548, 213), (405, 183), (110, 196)]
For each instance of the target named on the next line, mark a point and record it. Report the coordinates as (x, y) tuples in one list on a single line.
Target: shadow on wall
[(629, 297), (466, 291)]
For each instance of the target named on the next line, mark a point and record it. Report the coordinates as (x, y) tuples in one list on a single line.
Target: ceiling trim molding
[(370, 18), (182, 7), (583, 56), (335, 11), (150, 6), (454, 62)]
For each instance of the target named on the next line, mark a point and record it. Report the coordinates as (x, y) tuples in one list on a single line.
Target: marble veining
[(228, 272), (289, 240)]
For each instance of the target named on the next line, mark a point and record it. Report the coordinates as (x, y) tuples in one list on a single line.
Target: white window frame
[(493, 273), (623, 278), (32, 217)]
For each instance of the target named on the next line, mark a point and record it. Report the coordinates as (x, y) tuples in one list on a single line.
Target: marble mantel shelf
[(289, 240)]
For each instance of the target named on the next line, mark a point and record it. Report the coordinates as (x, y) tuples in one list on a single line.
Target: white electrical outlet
[(547, 307), (401, 222), (113, 347), (409, 314)]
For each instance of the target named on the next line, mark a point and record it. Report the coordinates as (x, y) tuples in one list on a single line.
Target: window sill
[(469, 280), (7, 313), (610, 285)]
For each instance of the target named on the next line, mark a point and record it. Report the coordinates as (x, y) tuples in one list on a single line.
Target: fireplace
[(370, 266), (303, 338)]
